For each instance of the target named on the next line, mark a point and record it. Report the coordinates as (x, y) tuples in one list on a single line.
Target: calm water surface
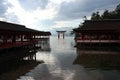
[(64, 62)]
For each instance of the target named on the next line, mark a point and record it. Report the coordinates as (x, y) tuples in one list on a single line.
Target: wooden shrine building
[(15, 35), (98, 32)]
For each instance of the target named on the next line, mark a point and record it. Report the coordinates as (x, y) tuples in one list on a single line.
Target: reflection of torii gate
[(61, 32)]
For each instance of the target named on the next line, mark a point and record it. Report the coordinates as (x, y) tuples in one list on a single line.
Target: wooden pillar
[(109, 37), (21, 38), (82, 36), (35, 56), (29, 37), (14, 39), (4, 39), (58, 35), (90, 40), (34, 37), (63, 35), (99, 39)]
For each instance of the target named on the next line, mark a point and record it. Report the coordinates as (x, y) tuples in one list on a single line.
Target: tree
[(95, 16), (118, 8), (84, 18), (106, 14), (115, 14)]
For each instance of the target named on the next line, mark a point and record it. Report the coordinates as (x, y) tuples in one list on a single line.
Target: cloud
[(48, 14), (33, 19), (47, 23), (3, 7), (78, 8), (4, 15), (11, 17), (33, 4)]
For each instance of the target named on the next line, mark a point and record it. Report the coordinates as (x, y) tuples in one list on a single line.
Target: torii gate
[(61, 32)]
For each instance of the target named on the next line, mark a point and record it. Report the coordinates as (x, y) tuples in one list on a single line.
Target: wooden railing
[(15, 44), (97, 41)]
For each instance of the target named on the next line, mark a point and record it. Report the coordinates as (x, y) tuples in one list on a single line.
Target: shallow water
[(62, 61)]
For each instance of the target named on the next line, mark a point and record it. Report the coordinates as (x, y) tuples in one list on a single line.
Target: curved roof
[(5, 26), (101, 25)]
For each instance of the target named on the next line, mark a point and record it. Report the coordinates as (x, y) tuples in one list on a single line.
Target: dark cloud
[(33, 4), (11, 17), (77, 9), (3, 7)]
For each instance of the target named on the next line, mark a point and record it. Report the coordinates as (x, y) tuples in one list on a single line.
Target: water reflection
[(98, 59), (15, 62), (12, 69), (45, 45), (58, 63)]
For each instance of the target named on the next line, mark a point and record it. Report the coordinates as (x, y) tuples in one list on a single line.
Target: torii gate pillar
[(61, 32)]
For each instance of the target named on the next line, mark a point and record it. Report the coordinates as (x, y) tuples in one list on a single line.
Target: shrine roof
[(101, 25), (6, 26)]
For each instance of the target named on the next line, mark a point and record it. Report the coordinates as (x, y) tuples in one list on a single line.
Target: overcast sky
[(49, 14)]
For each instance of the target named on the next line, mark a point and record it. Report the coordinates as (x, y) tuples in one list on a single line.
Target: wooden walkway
[(13, 45)]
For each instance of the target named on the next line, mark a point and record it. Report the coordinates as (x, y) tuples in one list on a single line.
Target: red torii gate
[(61, 32)]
